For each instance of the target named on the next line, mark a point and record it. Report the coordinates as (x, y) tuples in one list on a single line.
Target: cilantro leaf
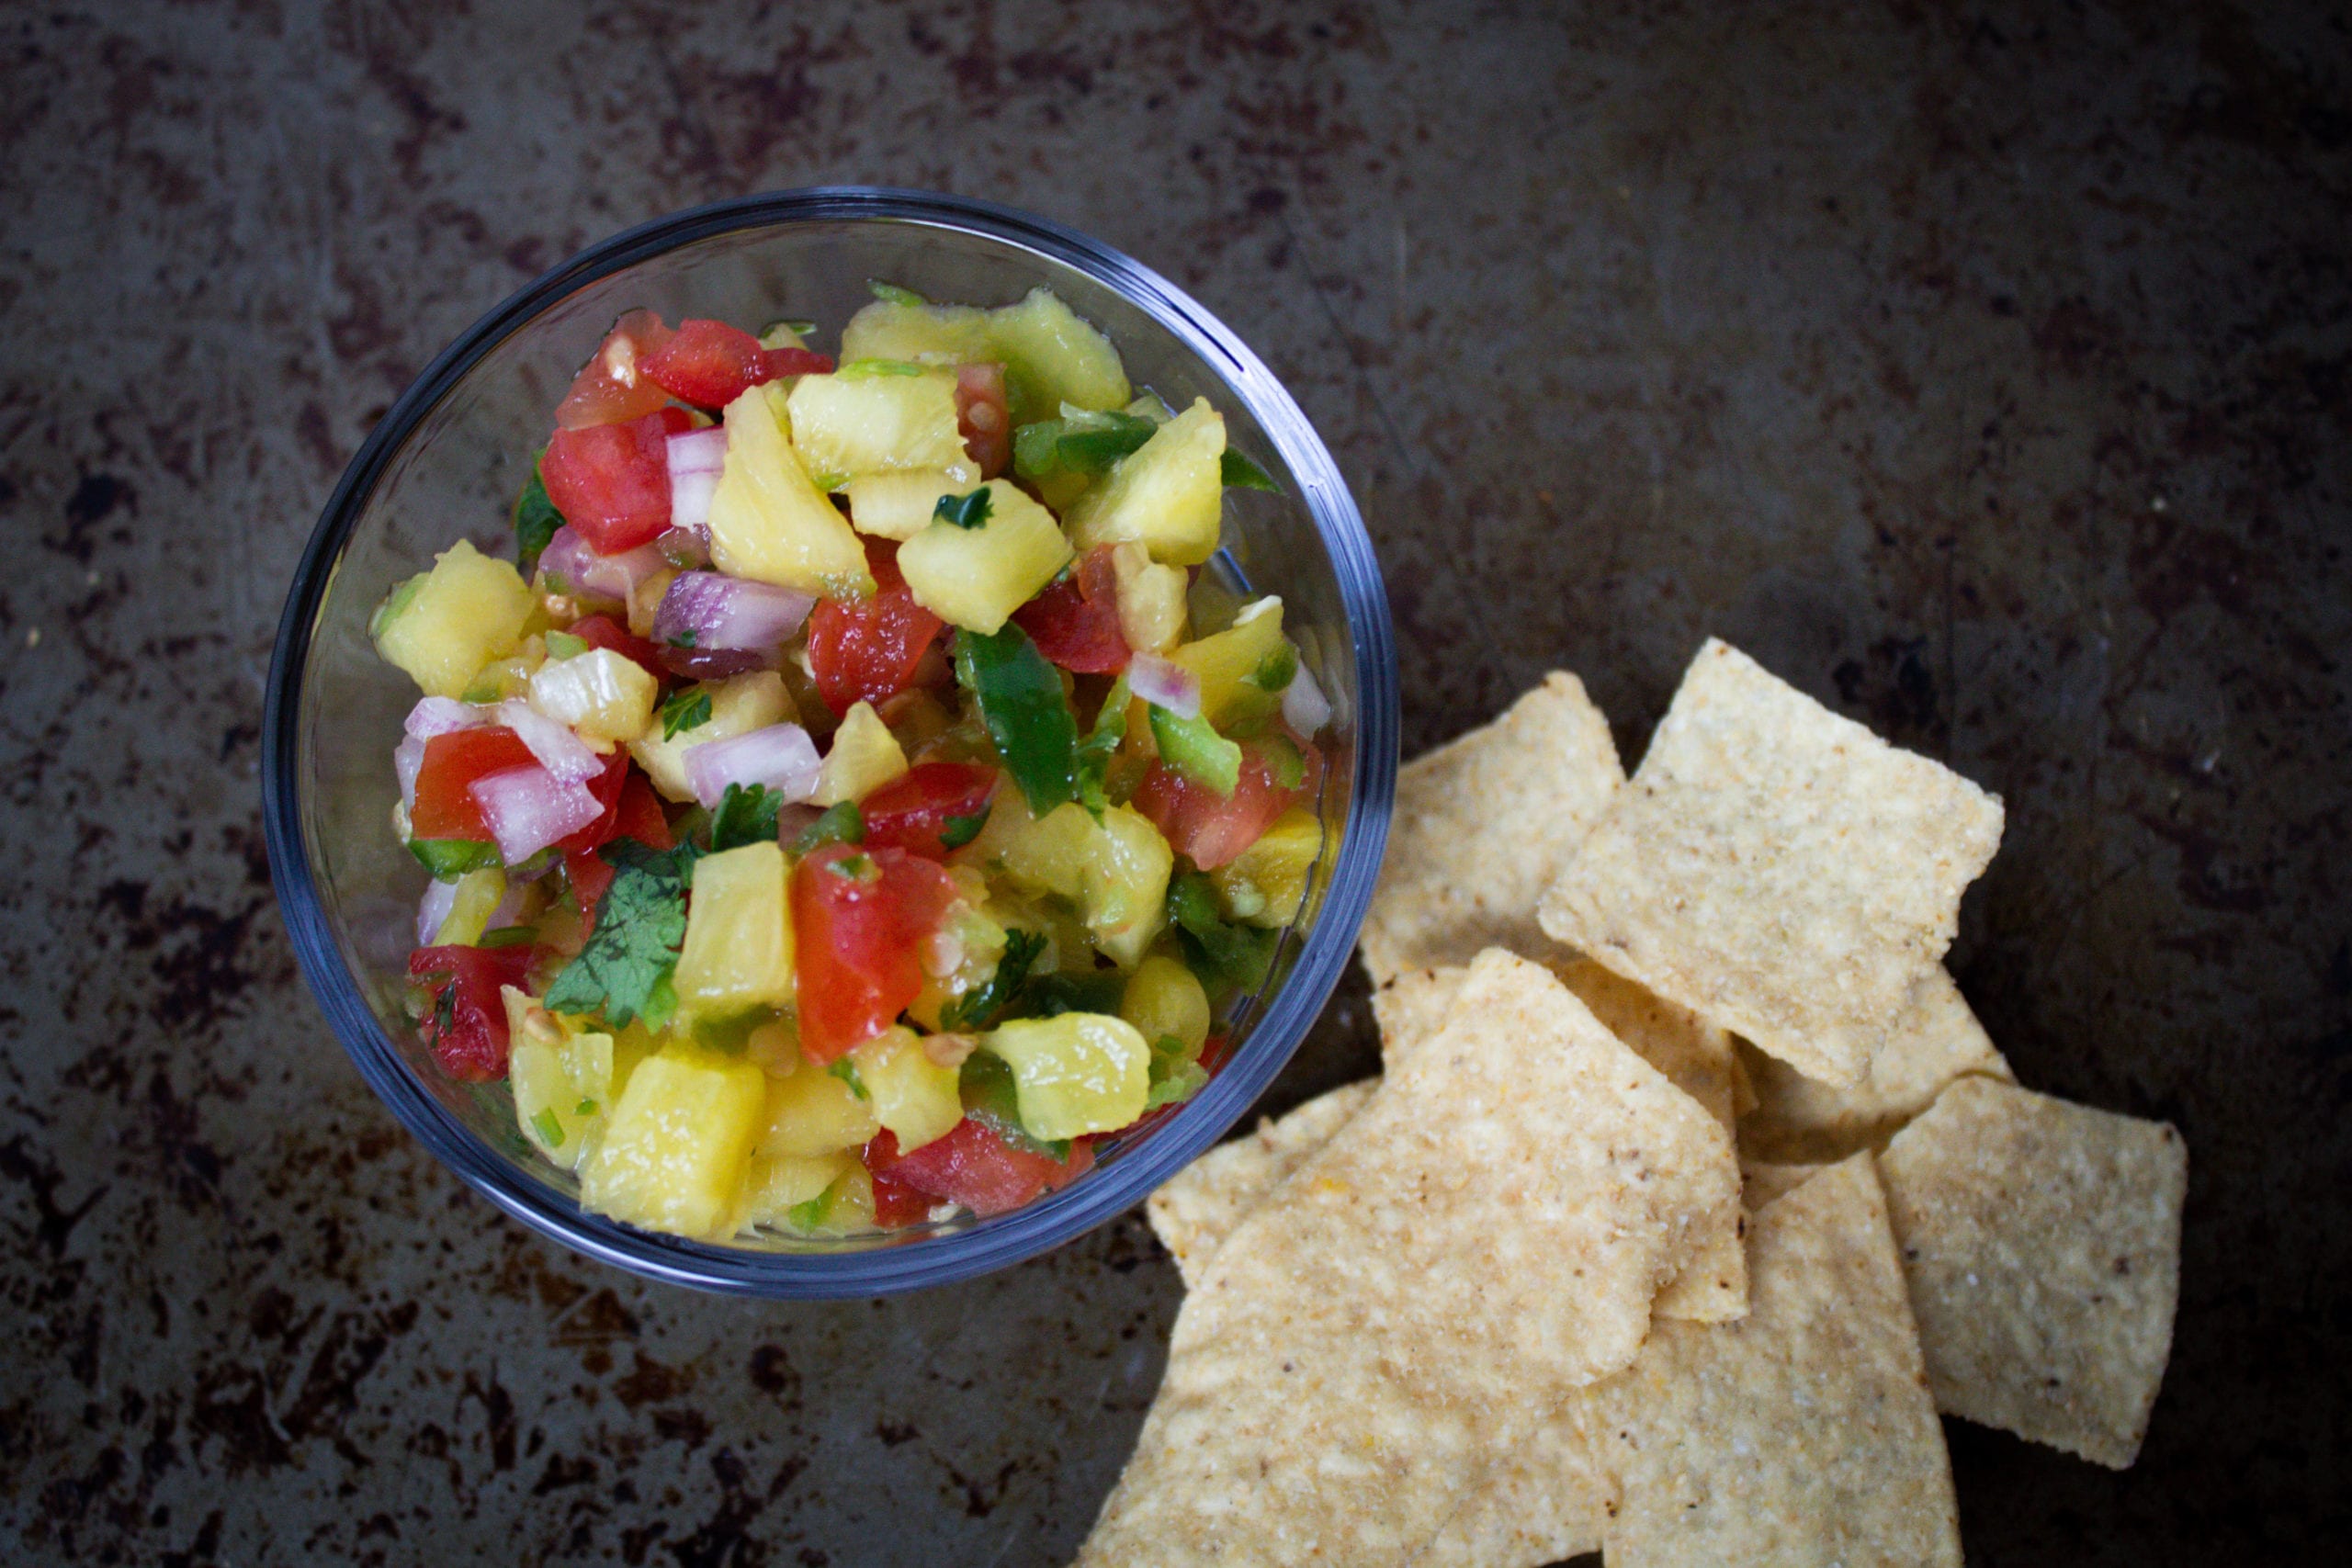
[(744, 817), (536, 519), (962, 830), (624, 971), (964, 510), (977, 1008), (448, 859), (689, 709), (1239, 472), (1223, 955), (1027, 711), (1080, 443), (683, 639), (841, 823)]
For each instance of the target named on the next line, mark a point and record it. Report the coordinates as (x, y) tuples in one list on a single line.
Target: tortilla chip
[(1414, 1300), (1778, 869), (1411, 1007), (1800, 1435), (1483, 825), (2043, 1244), (1695, 1054), (1543, 1501), (1200, 1205), (1798, 1118), (1763, 1182)]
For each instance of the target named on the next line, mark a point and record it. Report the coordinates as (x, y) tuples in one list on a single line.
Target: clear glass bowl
[(448, 460)]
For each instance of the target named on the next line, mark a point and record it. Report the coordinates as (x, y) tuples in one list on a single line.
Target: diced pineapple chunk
[(1168, 494), (479, 892), (974, 578), (1243, 669), (562, 1088), (899, 505), (739, 705), (845, 1208), (815, 1112), (508, 677), (778, 1184), (1164, 1000), (1151, 598), (1115, 871), (768, 520), (1265, 884), (604, 696), (914, 1097), (1074, 1073), (1053, 356), (1050, 355), (443, 626), (677, 1144), (864, 757), (738, 951), (860, 421)]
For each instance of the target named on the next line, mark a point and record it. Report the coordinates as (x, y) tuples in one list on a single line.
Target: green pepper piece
[(1027, 711), (1193, 748)]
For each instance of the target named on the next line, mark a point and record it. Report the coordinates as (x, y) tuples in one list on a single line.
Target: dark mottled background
[(1982, 368)]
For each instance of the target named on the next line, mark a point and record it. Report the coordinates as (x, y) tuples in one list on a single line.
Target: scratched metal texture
[(1980, 368)]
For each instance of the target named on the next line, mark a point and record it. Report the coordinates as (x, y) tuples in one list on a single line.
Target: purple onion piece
[(529, 809), (1165, 684), (717, 663), (572, 566), (707, 610), (781, 756)]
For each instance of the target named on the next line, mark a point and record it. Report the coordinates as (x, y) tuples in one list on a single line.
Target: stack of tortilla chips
[(1691, 1194)]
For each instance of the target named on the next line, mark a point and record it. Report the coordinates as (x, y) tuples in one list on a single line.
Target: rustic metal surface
[(1981, 369)]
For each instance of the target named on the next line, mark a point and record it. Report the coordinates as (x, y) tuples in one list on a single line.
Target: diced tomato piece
[(1075, 622), (465, 1027), (914, 810), (973, 1167), (602, 631), (983, 417), (859, 919), (611, 388), (640, 816), (867, 650), (606, 788), (781, 362), (590, 877), (612, 481), (897, 1204), (445, 806), (706, 363), (1211, 829)]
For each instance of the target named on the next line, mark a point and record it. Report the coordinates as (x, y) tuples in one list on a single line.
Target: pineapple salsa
[(856, 801)]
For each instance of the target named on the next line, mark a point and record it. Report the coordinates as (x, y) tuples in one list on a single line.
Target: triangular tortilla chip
[(1777, 869), (1198, 1206), (1485, 1234), (1800, 1436), (1482, 826), (1801, 1119), (2043, 1244)]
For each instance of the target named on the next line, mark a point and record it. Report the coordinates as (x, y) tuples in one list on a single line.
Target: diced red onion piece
[(1165, 684), (557, 749), (408, 760), (711, 610), (441, 716), (689, 500), (718, 663), (584, 573), (440, 898), (529, 809), (698, 451), (1304, 708), (781, 756)]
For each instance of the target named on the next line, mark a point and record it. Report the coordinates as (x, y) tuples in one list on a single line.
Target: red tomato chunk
[(465, 1026), (913, 811), (612, 481), (1075, 622), (860, 917), (868, 650), (708, 364), (1214, 828), (974, 1166), (611, 388), (445, 804)]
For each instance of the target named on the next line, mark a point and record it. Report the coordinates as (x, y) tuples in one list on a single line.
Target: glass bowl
[(446, 462)]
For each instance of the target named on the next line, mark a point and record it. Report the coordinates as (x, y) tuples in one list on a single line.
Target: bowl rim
[(983, 1247)]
